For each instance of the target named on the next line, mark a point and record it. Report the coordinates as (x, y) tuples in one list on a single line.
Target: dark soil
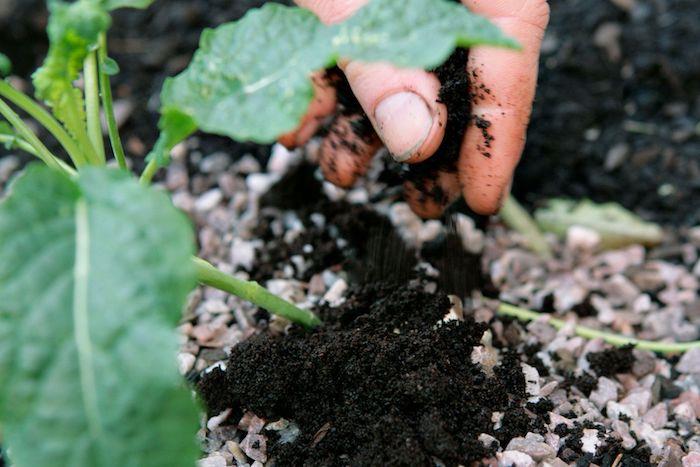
[(611, 362), (378, 384)]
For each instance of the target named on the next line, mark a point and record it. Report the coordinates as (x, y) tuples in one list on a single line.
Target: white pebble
[(185, 362), (514, 459), (208, 200), (215, 460)]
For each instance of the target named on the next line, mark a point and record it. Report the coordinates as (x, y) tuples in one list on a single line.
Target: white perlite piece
[(590, 441), (533, 445), (532, 380), (605, 392)]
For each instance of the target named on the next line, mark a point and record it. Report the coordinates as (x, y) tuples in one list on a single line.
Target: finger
[(346, 152), (429, 193), (505, 83), (402, 105), (322, 105)]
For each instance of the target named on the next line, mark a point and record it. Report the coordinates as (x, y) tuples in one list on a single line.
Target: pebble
[(216, 420), (215, 460), (514, 459), (247, 165), (604, 393), (639, 398), (255, 447), (623, 429), (259, 183), (242, 254), (532, 380), (692, 459), (579, 238), (215, 163), (590, 441), (487, 440), (208, 200), (185, 362), (533, 445), (685, 415), (282, 159), (616, 409), (336, 292), (472, 238), (690, 361), (657, 416)]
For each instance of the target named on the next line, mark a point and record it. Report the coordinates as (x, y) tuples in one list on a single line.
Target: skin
[(403, 107)]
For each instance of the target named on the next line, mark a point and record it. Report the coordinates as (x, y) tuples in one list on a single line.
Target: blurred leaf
[(94, 273), (114, 4), (73, 32), (5, 65), (110, 66), (250, 80), (616, 225)]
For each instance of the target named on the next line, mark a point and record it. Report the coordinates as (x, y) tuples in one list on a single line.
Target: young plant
[(95, 266)]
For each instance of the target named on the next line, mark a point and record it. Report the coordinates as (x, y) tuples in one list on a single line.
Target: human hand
[(404, 109)]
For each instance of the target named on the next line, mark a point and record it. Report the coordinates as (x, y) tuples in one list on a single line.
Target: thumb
[(401, 104)]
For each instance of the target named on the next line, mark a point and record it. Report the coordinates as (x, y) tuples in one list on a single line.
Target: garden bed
[(412, 366)]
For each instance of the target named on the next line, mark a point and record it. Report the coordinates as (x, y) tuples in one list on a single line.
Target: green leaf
[(94, 273), (110, 66), (250, 80), (616, 225), (73, 32), (413, 33), (114, 4), (5, 65)]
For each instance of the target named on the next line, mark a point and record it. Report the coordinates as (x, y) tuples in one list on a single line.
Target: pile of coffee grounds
[(380, 383), (612, 361)]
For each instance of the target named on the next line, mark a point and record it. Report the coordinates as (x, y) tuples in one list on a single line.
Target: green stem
[(149, 172), (254, 293), (518, 219), (52, 125), (92, 105), (28, 135), (108, 104), (615, 339), (19, 143)]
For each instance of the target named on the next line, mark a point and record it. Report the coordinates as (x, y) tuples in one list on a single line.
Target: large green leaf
[(250, 80), (73, 30), (616, 225), (93, 276), (413, 33)]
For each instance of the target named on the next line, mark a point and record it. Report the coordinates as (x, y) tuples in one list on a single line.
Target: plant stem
[(108, 104), (254, 293), (92, 105), (149, 172), (52, 125), (19, 143), (518, 219), (523, 314), (28, 135)]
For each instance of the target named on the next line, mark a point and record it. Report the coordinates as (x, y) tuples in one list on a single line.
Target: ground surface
[(607, 125)]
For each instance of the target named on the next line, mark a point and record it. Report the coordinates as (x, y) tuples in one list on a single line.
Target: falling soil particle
[(381, 381)]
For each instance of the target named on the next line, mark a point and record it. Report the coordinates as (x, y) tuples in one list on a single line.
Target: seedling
[(95, 266)]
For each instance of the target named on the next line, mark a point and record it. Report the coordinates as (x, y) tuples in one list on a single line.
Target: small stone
[(216, 420), (640, 398), (514, 459), (532, 380), (623, 430), (605, 392), (533, 445), (208, 200), (235, 449), (255, 447), (690, 361), (185, 362), (590, 441), (615, 409), (616, 156), (579, 238), (692, 459), (335, 293), (242, 254), (472, 238), (488, 440), (259, 183), (217, 162), (685, 415), (215, 460), (282, 159), (620, 290), (657, 416), (247, 165)]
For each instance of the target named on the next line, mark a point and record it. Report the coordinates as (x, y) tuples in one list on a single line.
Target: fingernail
[(404, 122)]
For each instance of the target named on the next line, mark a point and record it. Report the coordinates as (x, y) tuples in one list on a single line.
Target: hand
[(403, 107)]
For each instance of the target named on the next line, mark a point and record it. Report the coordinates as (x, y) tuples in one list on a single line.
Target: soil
[(378, 384)]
